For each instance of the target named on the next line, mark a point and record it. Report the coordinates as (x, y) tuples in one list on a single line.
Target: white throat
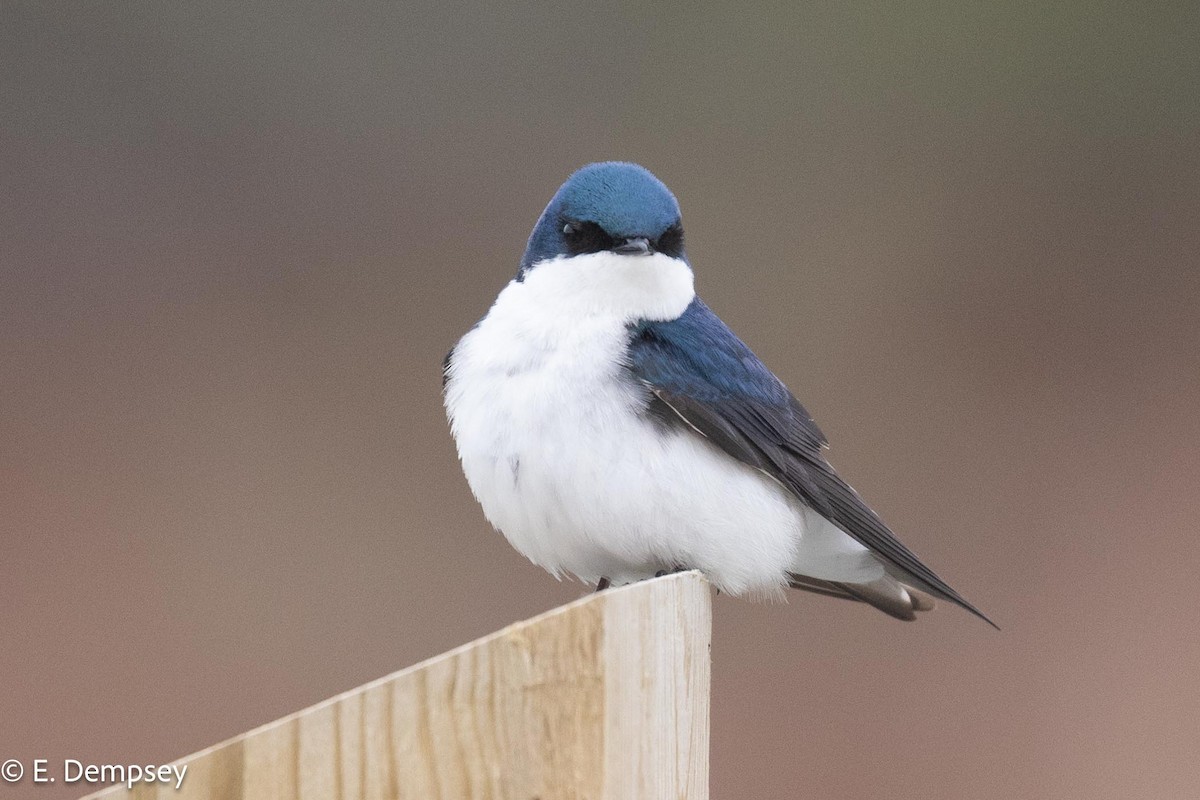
[(653, 287)]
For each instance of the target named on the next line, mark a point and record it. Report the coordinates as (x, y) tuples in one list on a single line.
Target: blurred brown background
[(236, 244)]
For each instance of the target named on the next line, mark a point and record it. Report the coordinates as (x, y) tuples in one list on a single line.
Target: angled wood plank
[(602, 699)]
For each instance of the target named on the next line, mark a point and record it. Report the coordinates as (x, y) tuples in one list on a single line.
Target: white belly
[(552, 443), (579, 483)]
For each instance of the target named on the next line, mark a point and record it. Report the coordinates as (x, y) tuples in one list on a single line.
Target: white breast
[(553, 443)]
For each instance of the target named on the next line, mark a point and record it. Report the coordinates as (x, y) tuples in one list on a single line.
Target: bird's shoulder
[(701, 370)]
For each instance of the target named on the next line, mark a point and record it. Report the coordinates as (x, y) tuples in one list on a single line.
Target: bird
[(613, 428)]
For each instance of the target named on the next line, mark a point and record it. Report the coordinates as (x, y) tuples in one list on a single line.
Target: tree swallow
[(614, 428)]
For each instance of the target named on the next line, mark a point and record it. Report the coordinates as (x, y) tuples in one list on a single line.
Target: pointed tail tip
[(979, 614), (963, 603), (925, 602)]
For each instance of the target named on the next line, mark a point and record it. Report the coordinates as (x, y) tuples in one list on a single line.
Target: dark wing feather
[(702, 375), (446, 367)]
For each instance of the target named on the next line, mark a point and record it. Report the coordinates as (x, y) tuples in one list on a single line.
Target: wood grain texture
[(603, 699)]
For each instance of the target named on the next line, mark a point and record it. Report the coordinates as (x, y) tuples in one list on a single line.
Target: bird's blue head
[(611, 206)]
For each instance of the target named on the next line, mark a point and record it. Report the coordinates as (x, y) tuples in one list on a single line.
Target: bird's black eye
[(585, 237), (670, 243)]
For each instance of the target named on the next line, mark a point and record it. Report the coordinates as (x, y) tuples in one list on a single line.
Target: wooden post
[(605, 699)]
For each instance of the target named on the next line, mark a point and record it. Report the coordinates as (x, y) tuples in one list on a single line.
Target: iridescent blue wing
[(704, 377)]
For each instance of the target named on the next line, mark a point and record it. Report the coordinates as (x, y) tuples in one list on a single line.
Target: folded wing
[(705, 378)]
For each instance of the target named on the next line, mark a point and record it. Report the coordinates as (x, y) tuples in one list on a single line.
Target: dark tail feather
[(886, 594)]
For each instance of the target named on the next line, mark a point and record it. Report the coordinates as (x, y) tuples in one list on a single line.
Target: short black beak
[(637, 246)]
